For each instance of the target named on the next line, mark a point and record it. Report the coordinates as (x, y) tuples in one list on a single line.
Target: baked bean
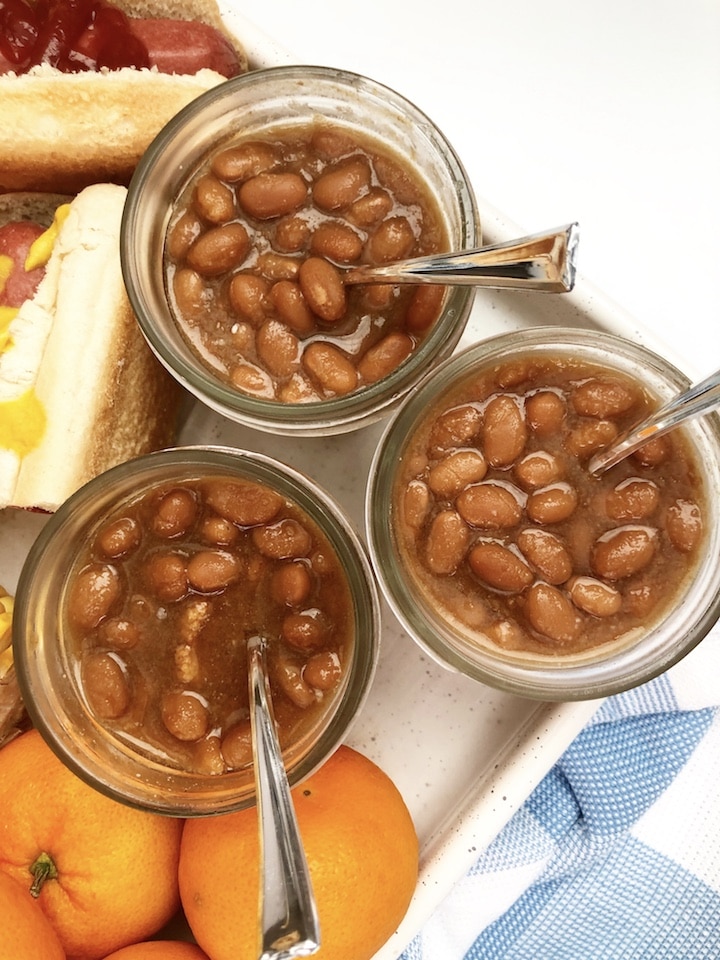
[(416, 504), (454, 428), (283, 540), (166, 576), (289, 677), (174, 514), (537, 469), (545, 412), (547, 554), (504, 431), (119, 633), (93, 594), (371, 208), (336, 241), (305, 631), (292, 234), (278, 348), (189, 292), (273, 266), (455, 472), (270, 195), (486, 505), (106, 685), (393, 240), (291, 583), (632, 499), (207, 756), (385, 356), (218, 531), (330, 367), (248, 296), (183, 233), (514, 373), (214, 201), (590, 436), (244, 161), (323, 670), (394, 177), (245, 503), (218, 250), (500, 568), (120, 537), (683, 523), (330, 142), (243, 335), (298, 389), (236, 745), (603, 399), (378, 296), (342, 184), (425, 307), (210, 571), (288, 300), (251, 379), (447, 542), (595, 597), (323, 289), (185, 715), (623, 552), (551, 613), (654, 452), (552, 504)]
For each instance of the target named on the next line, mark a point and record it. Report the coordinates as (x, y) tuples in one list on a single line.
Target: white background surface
[(605, 113)]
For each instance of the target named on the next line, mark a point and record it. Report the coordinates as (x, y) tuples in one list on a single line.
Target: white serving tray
[(464, 756)]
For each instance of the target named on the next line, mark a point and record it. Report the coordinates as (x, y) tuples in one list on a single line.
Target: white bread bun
[(62, 132), (105, 396)]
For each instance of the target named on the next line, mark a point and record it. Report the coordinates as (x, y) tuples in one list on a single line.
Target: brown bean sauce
[(254, 256), (162, 602), (501, 523)]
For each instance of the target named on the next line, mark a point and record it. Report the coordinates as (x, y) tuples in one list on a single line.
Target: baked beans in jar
[(241, 222), (257, 247), (504, 555), (152, 582)]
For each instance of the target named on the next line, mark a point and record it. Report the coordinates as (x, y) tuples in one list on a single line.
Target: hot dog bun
[(77, 344), (62, 132)]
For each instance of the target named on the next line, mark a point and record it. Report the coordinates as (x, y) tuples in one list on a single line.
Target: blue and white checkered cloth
[(616, 854)]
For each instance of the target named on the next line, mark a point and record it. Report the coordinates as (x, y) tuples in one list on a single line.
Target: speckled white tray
[(464, 756)]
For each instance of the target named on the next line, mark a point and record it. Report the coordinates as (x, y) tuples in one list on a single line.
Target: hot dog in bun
[(85, 85), (79, 388)]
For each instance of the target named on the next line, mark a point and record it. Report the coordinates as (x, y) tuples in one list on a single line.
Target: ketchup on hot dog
[(76, 35)]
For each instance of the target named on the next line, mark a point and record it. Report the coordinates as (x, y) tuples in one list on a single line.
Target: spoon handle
[(289, 917), (541, 261), (702, 398)]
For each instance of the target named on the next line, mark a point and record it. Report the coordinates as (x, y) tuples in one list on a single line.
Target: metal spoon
[(704, 397), (540, 261), (289, 922)]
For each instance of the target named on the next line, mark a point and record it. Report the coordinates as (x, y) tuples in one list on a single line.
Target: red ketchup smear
[(89, 35), (15, 242)]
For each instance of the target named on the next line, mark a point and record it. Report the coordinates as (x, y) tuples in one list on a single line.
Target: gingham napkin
[(616, 854)]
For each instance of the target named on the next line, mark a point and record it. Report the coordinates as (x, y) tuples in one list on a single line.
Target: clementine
[(25, 931), (104, 874), (362, 852), (159, 950)]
